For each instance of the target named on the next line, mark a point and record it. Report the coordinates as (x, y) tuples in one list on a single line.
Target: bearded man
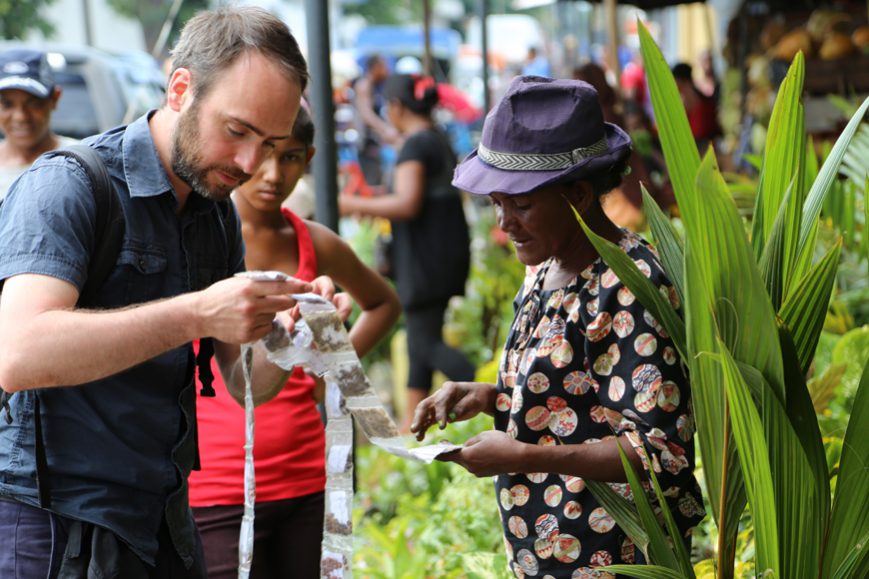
[(117, 441)]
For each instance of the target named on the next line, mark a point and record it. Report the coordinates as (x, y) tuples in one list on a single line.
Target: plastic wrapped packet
[(320, 343)]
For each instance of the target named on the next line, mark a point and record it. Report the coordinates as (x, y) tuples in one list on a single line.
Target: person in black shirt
[(430, 241)]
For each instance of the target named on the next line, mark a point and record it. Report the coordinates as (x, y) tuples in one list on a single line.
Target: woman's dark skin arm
[(404, 203), (495, 452)]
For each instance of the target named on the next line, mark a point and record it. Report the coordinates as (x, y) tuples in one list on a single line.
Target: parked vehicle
[(100, 90)]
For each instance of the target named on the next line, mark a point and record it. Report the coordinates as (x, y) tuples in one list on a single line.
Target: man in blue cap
[(28, 96)]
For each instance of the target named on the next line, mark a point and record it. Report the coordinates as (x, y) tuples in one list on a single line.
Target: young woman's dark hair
[(417, 93), (303, 128)]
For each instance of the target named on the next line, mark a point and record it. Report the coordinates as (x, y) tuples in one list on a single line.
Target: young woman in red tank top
[(290, 440)]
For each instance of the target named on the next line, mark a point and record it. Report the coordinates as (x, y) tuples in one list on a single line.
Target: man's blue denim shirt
[(119, 449)]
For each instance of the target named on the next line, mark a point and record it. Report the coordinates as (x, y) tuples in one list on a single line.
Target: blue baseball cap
[(28, 70)]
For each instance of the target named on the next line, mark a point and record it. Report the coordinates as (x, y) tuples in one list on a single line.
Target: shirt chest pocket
[(144, 272), (208, 269)]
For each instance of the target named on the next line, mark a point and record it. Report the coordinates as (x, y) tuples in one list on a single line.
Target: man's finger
[(277, 288), (274, 303)]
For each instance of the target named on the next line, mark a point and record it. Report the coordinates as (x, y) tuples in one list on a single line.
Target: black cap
[(28, 70)]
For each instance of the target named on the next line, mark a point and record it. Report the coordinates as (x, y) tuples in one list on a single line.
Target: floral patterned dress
[(582, 364)]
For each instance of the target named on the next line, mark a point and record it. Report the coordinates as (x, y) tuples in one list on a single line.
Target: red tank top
[(289, 442)]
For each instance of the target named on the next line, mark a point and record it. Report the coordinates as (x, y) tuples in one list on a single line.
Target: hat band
[(540, 161)]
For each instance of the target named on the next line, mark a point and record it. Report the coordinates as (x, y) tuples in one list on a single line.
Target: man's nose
[(249, 157)]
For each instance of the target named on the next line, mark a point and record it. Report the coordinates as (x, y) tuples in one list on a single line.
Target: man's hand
[(325, 287), (239, 310), (454, 402)]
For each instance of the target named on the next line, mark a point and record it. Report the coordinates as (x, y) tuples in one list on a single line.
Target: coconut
[(822, 22), (860, 38), (793, 42), (772, 33), (836, 45)]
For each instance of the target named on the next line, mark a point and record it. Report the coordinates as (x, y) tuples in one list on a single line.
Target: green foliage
[(153, 13), (754, 309), (386, 11), (415, 520), (18, 17)]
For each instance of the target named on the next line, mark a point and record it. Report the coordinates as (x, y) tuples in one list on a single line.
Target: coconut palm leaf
[(644, 571), (725, 299), (804, 259), (784, 155), (631, 276), (667, 240), (660, 552), (785, 501), (741, 310), (680, 150), (854, 160), (772, 258), (826, 176), (754, 457), (849, 524), (681, 552), (866, 217), (802, 535), (805, 309), (624, 513)]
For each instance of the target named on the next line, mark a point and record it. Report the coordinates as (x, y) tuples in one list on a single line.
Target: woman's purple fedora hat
[(541, 132)]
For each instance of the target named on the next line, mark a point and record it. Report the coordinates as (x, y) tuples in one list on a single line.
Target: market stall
[(765, 36)]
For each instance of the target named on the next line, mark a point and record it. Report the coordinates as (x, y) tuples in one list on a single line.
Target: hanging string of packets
[(320, 344)]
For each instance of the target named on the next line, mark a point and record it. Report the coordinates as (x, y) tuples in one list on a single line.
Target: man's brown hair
[(212, 40)]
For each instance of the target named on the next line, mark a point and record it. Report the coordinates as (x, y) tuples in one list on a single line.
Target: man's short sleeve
[(47, 222)]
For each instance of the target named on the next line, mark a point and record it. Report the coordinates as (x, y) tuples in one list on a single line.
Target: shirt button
[(142, 262)]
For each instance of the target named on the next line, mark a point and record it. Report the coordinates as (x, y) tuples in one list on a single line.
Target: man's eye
[(233, 132), (292, 158)]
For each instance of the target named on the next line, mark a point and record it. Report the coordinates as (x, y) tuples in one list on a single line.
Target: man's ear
[(55, 96), (309, 154), (179, 89)]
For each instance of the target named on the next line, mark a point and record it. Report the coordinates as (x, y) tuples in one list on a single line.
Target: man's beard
[(187, 160)]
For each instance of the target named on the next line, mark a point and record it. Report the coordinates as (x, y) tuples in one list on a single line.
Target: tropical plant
[(417, 521), (754, 309), (19, 18)]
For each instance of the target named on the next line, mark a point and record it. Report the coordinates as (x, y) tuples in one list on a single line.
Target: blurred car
[(100, 90)]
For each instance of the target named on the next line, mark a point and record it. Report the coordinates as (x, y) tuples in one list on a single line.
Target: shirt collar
[(143, 170)]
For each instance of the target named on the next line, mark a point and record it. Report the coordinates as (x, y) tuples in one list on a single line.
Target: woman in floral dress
[(585, 366)]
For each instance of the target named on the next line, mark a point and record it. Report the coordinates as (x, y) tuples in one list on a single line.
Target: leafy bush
[(414, 520)]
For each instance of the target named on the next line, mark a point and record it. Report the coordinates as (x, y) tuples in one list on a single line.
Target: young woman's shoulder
[(332, 251)]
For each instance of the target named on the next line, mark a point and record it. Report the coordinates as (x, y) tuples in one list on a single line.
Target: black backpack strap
[(109, 232), (43, 486), (206, 345), (108, 237), (203, 367)]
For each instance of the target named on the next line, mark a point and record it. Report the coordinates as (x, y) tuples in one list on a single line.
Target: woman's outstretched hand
[(489, 453), (454, 402)]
